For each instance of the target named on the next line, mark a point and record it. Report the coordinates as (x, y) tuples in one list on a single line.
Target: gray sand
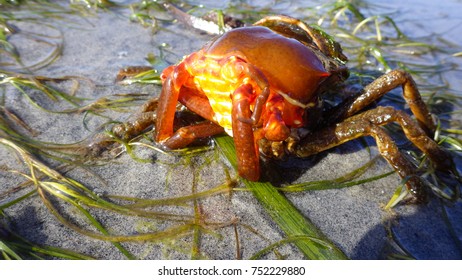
[(353, 218)]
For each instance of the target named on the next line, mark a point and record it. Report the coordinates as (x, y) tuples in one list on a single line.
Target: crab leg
[(246, 150), (368, 124), (170, 95), (197, 103), (381, 86), (139, 122), (262, 97), (166, 109), (186, 135), (241, 67), (135, 126)]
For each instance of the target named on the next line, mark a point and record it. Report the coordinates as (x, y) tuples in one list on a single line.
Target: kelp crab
[(262, 85)]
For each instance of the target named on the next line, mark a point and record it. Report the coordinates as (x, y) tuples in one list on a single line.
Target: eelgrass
[(22, 249), (53, 44), (65, 153), (51, 184), (344, 181), (15, 247), (372, 43), (39, 83), (303, 233)]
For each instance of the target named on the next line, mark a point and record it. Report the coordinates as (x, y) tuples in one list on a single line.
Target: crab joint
[(275, 128)]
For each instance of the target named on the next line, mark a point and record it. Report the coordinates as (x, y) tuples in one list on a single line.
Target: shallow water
[(97, 47)]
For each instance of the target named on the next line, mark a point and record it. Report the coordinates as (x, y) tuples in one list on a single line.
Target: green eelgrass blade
[(398, 195), (284, 213), (144, 203), (338, 183), (100, 227), (288, 240), (330, 184), (31, 249), (7, 252), (17, 248)]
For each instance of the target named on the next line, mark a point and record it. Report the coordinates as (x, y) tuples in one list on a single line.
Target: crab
[(262, 85)]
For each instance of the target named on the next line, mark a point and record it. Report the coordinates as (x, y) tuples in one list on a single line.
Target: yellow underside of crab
[(218, 80)]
